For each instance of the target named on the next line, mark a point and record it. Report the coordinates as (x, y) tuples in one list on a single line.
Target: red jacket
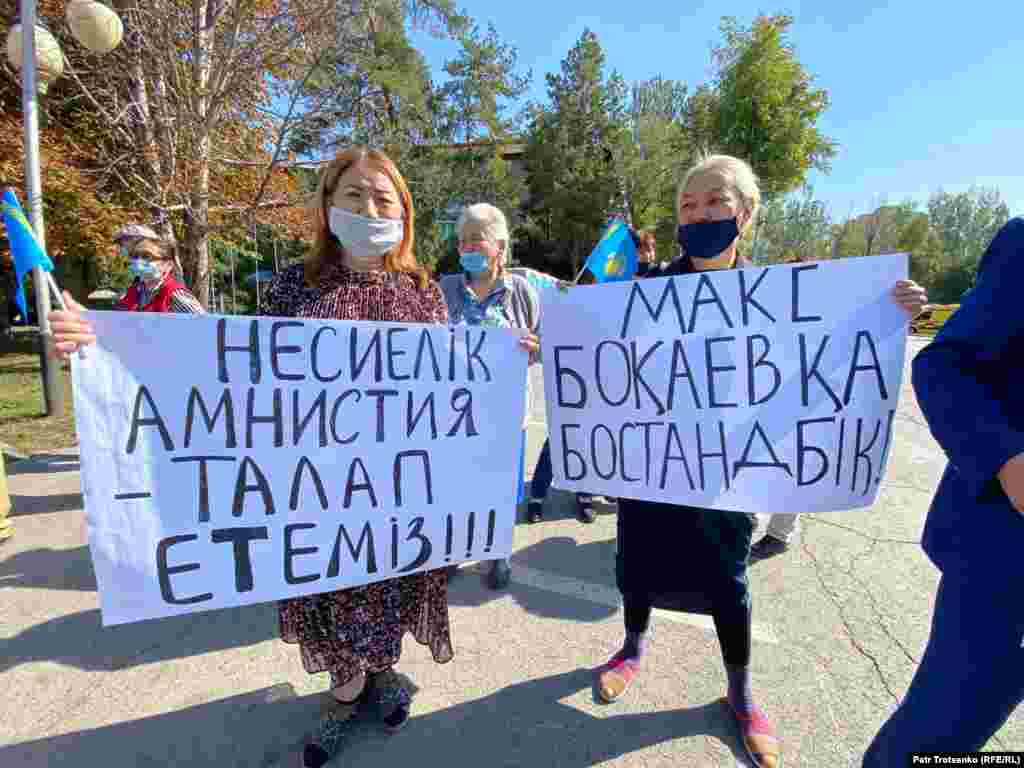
[(159, 302)]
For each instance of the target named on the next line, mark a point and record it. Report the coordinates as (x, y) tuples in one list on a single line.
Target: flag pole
[(53, 391)]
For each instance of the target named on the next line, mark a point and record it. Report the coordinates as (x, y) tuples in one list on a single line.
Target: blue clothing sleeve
[(952, 375)]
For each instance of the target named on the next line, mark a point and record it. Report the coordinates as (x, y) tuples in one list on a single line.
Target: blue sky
[(922, 97)]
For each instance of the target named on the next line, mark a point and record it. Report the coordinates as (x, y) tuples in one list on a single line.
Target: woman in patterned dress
[(362, 267)]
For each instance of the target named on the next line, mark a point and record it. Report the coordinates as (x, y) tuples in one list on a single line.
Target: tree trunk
[(198, 236)]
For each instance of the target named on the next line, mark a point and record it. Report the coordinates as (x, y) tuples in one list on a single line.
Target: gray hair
[(489, 221), (735, 172)]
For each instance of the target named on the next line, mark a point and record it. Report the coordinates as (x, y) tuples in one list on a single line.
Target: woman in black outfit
[(708, 549)]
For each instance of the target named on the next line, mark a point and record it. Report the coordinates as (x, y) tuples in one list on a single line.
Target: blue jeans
[(971, 677)]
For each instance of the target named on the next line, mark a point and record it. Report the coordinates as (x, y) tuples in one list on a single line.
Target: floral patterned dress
[(358, 630)]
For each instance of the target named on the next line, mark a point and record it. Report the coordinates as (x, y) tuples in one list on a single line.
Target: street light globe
[(94, 25), (49, 57)]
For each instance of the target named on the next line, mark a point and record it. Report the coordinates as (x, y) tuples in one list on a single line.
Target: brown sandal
[(615, 677)]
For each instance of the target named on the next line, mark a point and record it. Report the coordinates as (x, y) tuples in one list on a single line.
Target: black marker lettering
[(243, 486), (366, 537), (806, 374), (291, 552), (225, 405), (276, 351), (747, 297), (462, 404), (351, 486), (240, 538), (318, 484), (428, 482), (253, 348), (318, 409), (561, 371), (315, 356), (164, 571), (276, 417), (334, 416), (373, 348), (802, 449), (203, 481), (745, 462), (796, 316), (156, 421), (655, 314)]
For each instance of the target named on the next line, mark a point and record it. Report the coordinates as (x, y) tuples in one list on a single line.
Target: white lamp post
[(34, 51)]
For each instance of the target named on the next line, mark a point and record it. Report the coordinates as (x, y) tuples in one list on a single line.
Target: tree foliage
[(967, 221), (794, 228), (765, 104), (575, 153)]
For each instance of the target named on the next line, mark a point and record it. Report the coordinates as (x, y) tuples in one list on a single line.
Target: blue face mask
[(473, 262), (143, 268), (707, 239)]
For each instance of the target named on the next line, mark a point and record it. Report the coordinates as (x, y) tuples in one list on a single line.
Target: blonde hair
[(736, 173), (489, 221), (326, 248)]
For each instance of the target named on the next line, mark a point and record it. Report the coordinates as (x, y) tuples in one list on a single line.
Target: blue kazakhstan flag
[(614, 257), (25, 248)]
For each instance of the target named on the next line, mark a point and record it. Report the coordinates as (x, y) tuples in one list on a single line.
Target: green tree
[(765, 105), (922, 242), (653, 154), (448, 139), (575, 146), (794, 228), (967, 222)]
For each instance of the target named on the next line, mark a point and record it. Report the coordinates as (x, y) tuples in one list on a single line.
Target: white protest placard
[(236, 460), (758, 390)]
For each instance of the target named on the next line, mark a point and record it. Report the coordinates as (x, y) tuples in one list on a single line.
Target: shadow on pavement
[(53, 502), (236, 731), (526, 724), (48, 463), (557, 557), (79, 640), (69, 569)]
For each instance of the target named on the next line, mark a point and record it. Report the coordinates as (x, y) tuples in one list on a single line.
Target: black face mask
[(707, 239)]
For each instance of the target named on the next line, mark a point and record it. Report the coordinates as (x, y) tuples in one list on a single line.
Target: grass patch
[(22, 423)]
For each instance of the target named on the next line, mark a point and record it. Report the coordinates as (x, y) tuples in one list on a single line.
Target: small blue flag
[(614, 258), (25, 248)]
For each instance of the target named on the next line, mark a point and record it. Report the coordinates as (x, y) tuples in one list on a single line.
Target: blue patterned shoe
[(390, 697), (334, 727)]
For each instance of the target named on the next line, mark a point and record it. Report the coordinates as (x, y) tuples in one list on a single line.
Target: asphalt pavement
[(840, 622)]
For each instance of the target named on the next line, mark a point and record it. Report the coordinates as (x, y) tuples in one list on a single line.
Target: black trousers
[(732, 623), (687, 559)]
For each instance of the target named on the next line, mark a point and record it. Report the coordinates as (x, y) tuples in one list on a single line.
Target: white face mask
[(366, 241)]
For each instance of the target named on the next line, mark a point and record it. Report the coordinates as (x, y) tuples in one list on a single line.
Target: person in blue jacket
[(970, 384)]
